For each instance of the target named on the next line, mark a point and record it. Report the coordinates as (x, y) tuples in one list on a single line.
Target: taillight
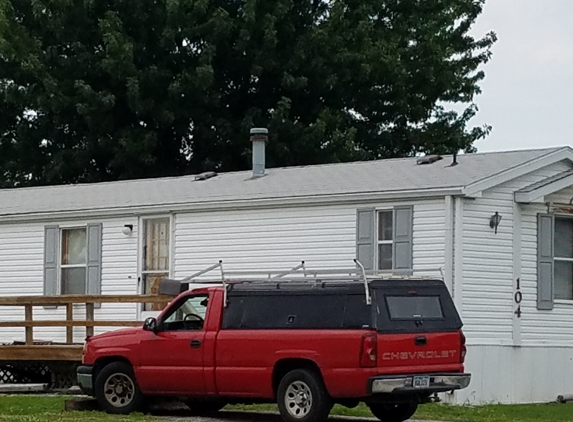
[(368, 351), (463, 348)]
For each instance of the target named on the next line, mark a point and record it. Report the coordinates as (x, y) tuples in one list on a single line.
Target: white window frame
[(60, 251), (383, 242), (559, 259), (141, 258)]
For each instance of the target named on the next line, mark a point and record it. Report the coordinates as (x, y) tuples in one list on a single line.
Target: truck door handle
[(421, 341), (195, 344)]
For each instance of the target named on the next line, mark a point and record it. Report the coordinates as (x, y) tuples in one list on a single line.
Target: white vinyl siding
[(561, 197), (324, 237), (22, 267), (266, 239), (488, 303), (488, 267), (554, 327), (542, 328), (429, 236)]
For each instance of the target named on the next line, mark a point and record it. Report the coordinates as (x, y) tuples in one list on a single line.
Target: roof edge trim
[(565, 153), (525, 196), (243, 204)]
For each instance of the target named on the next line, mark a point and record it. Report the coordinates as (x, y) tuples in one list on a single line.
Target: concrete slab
[(22, 388)]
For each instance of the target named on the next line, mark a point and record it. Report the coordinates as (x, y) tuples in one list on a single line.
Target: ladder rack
[(297, 274)]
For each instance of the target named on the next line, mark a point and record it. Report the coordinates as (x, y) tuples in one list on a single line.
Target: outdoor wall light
[(127, 229), (494, 221)]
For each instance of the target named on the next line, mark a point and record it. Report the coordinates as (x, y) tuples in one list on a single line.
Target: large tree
[(96, 90)]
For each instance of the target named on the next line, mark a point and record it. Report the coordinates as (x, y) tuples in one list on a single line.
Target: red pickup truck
[(304, 345)]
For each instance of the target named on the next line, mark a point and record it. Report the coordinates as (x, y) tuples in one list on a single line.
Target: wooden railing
[(68, 301)]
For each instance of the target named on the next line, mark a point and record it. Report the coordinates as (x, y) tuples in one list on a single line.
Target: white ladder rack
[(356, 274)]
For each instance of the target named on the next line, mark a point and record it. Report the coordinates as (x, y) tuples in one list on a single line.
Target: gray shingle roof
[(393, 175)]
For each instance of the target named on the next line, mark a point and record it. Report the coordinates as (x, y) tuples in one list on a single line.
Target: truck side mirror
[(150, 324)]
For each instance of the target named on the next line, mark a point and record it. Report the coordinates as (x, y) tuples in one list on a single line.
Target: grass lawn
[(490, 413), (47, 409)]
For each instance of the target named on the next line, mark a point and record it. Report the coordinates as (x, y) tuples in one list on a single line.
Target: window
[(563, 247), (73, 261), (414, 307), (402, 307), (155, 257), (303, 310), (385, 237), (189, 315)]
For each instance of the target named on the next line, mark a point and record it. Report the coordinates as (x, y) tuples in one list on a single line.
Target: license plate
[(421, 382)]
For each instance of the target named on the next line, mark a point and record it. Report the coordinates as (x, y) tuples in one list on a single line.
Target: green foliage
[(96, 90)]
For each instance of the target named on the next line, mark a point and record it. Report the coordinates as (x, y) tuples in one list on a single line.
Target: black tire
[(116, 389), (200, 407), (302, 397), (397, 412)]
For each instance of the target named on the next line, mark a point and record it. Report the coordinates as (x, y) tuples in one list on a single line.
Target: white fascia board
[(243, 204), (475, 189), (538, 194)]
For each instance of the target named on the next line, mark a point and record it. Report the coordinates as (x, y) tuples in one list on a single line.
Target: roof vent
[(206, 175), (428, 159), (454, 159)]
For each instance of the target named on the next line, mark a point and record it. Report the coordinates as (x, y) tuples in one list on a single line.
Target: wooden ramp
[(43, 353), (44, 360)]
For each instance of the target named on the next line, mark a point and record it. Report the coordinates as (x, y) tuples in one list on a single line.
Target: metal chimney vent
[(259, 138)]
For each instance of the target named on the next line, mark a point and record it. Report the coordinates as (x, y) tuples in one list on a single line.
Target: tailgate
[(430, 350), (418, 326)]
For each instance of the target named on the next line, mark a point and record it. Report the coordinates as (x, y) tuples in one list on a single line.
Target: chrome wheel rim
[(119, 390), (298, 399)]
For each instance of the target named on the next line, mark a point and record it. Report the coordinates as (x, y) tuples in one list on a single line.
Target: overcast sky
[(528, 89)]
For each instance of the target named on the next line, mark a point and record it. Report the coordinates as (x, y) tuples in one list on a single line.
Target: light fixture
[(127, 229), (494, 221)]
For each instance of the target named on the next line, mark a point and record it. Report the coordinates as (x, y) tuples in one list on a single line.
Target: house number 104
[(517, 297)]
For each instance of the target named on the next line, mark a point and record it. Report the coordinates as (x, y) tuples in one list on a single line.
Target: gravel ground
[(173, 411), (184, 415), (231, 416)]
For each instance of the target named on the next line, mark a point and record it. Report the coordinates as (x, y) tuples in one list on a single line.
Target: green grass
[(25, 408)]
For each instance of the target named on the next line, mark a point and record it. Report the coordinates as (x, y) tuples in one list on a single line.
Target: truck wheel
[(116, 389), (302, 397), (388, 412)]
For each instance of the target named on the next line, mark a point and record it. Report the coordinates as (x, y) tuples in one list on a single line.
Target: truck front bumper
[(85, 379), (418, 383)]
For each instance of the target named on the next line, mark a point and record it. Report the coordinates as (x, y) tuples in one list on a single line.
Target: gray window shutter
[(51, 240), (366, 237), (94, 259), (545, 262), (403, 233)]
